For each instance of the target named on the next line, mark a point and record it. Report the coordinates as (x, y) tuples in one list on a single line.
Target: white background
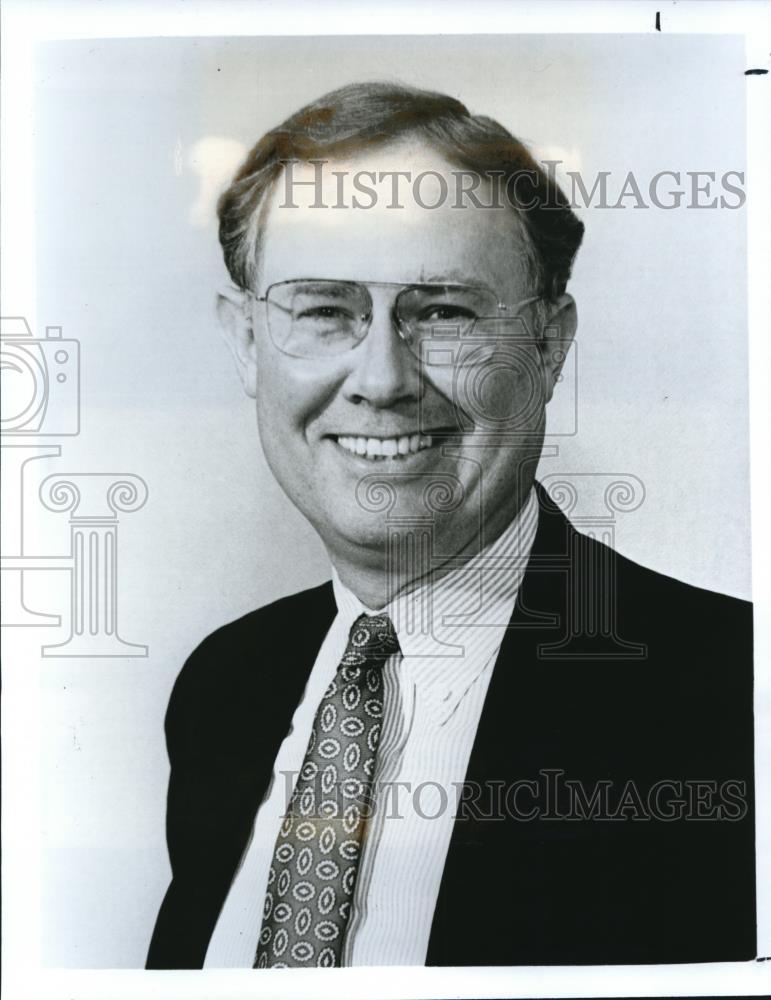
[(133, 139)]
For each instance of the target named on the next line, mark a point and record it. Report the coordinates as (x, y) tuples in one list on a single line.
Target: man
[(489, 740)]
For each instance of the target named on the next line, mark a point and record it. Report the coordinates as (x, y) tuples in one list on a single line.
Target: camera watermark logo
[(496, 376), (41, 381), (41, 400)]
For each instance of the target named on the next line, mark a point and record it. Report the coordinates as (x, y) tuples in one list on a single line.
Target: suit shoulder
[(239, 635), (690, 628), (635, 585), (670, 593), (219, 666)]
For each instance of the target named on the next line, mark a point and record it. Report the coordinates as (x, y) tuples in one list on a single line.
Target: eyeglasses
[(440, 323)]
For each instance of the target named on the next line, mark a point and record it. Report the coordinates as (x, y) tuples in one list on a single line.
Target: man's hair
[(364, 115)]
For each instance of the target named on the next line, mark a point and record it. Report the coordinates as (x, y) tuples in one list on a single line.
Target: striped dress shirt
[(449, 630)]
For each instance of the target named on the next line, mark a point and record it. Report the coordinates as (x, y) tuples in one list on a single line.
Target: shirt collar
[(450, 627)]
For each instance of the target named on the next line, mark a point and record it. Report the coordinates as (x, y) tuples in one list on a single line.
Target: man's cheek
[(505, 395), (275, 430), (276, 400)]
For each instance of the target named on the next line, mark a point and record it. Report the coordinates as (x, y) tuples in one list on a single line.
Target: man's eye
[(324, 312), (447, 313)]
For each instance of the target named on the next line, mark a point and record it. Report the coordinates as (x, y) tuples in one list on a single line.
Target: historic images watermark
[(495, 189), (550, 795)]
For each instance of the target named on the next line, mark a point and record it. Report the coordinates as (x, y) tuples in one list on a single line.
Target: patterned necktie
[(316, 859)]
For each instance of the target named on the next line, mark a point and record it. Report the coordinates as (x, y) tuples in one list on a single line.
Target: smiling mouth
[(377, 449)]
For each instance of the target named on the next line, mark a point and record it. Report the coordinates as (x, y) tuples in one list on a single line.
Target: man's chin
[(403, 546), (361, 535)]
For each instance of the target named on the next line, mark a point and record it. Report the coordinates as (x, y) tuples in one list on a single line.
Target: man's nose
[(383, 369)]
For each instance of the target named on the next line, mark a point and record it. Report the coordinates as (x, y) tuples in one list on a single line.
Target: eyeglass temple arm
[(264, 298)]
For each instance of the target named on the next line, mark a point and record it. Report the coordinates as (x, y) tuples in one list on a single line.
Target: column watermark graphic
[(41, 400), (498, 377), (593, 502)]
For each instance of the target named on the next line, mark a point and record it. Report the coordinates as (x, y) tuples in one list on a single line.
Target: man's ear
[(558, 331), (236, 327)]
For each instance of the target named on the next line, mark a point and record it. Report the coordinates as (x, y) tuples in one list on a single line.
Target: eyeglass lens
[(320, 318)]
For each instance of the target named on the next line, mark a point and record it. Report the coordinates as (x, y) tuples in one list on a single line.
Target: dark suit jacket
[(608, 672)]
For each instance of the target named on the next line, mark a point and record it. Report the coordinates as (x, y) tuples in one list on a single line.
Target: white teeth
[(379, 448)]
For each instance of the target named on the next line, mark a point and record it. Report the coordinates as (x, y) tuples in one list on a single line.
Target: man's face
[(478, 429)]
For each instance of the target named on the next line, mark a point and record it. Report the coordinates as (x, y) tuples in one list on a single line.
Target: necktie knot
[(373, 637)]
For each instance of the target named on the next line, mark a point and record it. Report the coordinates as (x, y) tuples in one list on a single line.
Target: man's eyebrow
[(453, 276)]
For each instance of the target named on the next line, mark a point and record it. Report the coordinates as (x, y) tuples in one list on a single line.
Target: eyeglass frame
[(501, 306)]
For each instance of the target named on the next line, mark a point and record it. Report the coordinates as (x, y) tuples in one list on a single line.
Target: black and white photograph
[(385, 465)]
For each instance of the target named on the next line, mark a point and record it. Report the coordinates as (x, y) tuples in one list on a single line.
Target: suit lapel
[(511, 742), (236, 710), (538, 612)]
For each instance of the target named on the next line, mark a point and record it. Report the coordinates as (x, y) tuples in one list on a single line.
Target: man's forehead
[(408, 157), (370, 216)]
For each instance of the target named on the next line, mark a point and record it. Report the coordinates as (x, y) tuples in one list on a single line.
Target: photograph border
[(27, 24)]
